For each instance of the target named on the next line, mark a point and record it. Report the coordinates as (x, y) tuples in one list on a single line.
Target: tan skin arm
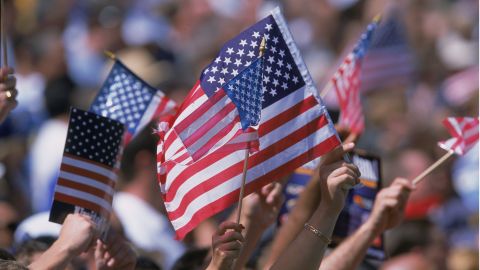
[(336, 178), (387, 212)]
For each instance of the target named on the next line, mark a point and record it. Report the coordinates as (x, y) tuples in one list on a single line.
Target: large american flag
[(346, 82), (294, 127), (125, 97), (222, 121), (464, 131), (389, 61), (87, 178)]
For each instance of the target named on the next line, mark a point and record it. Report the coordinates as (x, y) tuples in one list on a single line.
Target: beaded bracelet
[(318, 233)]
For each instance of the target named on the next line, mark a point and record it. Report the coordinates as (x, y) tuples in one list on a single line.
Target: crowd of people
[(55, 51)]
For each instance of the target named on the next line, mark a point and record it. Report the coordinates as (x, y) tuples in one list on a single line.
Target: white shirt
[(147, 228)]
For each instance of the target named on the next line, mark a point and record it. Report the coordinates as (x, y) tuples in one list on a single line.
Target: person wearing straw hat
[(8, 93)]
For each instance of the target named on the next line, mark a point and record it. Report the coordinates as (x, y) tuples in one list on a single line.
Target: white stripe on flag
[(90, 167), (234, 182), (86, 181), (83, 196)]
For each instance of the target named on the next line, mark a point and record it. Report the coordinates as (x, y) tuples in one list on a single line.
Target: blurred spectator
[(50, 139), (139, 206), (8, 223), (169, 42)]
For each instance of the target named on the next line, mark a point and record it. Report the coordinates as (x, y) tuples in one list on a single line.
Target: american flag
[(127, 98), (294, 127), (87, 178), (346, 82), (464, 131), (222, 121), (389, 60)]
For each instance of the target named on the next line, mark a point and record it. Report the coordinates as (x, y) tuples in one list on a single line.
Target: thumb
[(337, 153)]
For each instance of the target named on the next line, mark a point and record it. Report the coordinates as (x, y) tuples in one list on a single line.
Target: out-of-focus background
[(431, 51)]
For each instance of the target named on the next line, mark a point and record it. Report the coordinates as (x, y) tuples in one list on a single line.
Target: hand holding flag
[(464, 131)]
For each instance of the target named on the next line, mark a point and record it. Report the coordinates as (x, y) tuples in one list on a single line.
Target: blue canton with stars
[(93, 137), (245, 91), (280, 75), (123, 97), (362, 45)]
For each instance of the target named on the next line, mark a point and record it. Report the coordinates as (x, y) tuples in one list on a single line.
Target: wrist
[(372, 227), (324, 219), (63, 250), (330, 209)]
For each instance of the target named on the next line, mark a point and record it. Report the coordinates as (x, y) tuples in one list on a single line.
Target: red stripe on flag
[(232, 197), (85, 188), (86, 173), (234, 170), (200, 132), (82, 203), (187, 121), (287, 115)]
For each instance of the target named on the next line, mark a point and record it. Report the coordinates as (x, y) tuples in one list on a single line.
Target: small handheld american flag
[(464, 131), (125, 97), (346, 82), (87, 179)]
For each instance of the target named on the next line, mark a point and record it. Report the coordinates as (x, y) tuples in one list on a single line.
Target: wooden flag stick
[(325, 90), (432, 167), (110, 54), (3, 34), (242, 188)]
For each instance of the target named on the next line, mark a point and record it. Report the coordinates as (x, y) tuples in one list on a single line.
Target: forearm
[(350, 252), (307, 250), (58, 256), (252, 235), (303, 210)]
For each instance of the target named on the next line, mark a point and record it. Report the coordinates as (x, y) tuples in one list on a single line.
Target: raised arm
[(76, 236), (305, 206), (336, 178), (114, 253), (260, 210), (387, 212)]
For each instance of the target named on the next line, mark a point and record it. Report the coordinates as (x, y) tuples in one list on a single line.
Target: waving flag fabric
[(128, 99), (294, 127), (464, 131), (389, 60), (222, 120), (87, 179), (346, 82)]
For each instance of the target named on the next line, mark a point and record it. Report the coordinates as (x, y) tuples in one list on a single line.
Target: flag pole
[(242, 188), (432, 167), (3, 34), (247, 154), (108, 54)]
